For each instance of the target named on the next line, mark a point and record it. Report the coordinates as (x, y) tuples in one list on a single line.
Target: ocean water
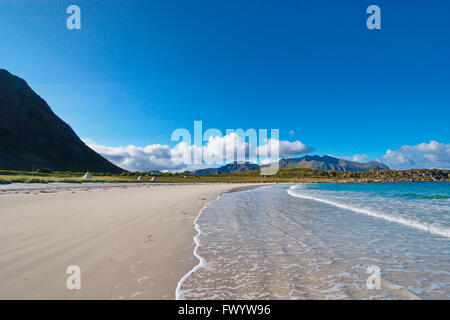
[(317, 241)]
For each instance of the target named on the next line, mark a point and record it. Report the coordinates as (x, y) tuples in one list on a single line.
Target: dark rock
[(32, 136)]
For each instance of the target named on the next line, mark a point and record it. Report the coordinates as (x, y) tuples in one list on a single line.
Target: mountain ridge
[(325, 162), (32, 136)]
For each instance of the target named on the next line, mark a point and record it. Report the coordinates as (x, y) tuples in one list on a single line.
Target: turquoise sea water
[(317, 241), (421, 205)]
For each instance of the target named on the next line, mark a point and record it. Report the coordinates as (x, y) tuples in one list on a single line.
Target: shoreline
[(270, 244), (19, 187), (130, 243), (53, 187), (202, 261)]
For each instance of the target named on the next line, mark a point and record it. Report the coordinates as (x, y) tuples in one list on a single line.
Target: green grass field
[(284, 175)]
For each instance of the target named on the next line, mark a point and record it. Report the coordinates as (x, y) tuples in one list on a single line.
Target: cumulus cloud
[(152, 157), (286, 148), (217, 150), (357, 158), (421, 156)]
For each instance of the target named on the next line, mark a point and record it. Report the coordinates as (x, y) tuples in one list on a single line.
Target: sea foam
[(437, 230)]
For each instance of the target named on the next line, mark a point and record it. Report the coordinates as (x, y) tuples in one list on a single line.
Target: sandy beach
[(129, 242)]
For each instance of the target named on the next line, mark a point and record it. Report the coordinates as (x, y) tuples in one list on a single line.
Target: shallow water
[(317, 241)]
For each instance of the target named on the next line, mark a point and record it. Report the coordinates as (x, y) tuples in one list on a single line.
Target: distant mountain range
[(330, 163), (32, 136), (229, 168), (312, 162)]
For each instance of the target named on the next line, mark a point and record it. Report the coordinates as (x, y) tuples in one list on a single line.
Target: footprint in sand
[(149, 238)]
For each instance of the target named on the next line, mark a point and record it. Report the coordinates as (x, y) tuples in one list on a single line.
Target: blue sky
[(137, 70)]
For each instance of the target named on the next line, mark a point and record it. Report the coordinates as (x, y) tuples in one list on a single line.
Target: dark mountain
[(330, 163), (31, 135), (229, 168), (312, 162)]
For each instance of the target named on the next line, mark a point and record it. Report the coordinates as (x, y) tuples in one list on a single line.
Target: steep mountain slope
[(32, 136)]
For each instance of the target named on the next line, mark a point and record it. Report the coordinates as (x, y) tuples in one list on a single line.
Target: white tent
[(153, 178), (87, 176), (140, 178)]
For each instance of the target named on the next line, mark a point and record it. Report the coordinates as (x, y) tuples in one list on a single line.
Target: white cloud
[(286, 148), (152, 157), (421, 156), (357, 158), (217, 150)]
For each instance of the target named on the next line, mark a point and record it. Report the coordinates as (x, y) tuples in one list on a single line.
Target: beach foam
[(441, 231), (267, 244), (202, 262)]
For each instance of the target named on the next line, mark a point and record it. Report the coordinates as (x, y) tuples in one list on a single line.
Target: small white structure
[(153, 178), (87, 176), (140, 178)]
